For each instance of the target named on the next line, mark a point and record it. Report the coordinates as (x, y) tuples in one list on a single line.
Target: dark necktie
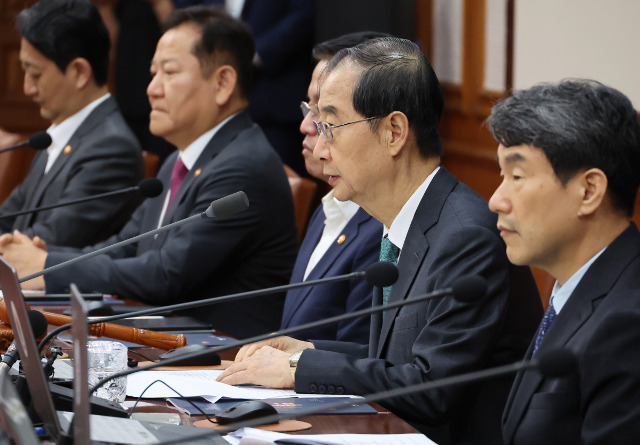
[(388, 252), (545, 324), (177, 176)]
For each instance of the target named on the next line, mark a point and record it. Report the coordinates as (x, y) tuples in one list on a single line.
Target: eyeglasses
[(327, 129), (306, 109)]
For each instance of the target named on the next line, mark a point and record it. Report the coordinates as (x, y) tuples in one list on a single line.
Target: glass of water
[(106, 358)]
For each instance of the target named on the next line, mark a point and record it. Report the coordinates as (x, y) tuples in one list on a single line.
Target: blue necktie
[(388, 252), (545, 324)]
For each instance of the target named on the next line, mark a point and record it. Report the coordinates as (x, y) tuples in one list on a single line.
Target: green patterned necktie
[(388, 252)]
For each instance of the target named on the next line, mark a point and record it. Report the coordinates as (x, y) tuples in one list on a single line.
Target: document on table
[(253, 436), (194, 383)]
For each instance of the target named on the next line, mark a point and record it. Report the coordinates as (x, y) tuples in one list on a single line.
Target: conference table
[(384, 422)]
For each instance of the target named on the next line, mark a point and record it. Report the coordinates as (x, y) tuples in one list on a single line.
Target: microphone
[(377, 274), (38, 325), (148, 188), (38, 141), (220, 208), (466, 289)]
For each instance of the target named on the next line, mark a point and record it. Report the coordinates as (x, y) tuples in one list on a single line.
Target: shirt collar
[(561, 293), (397, 233), (62, 132), (335, 210)]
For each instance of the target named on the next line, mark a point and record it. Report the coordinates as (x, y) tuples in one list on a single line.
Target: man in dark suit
[(570, 157), (65, 55), (198, 98), (341, 237), (284, 31), (380, 105)]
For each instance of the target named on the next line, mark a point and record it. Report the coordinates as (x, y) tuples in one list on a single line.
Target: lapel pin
[(341, 239), (197, 173), (67, 149)]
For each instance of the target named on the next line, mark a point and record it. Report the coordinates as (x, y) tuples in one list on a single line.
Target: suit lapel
[(218, 142), (416, 246), (595, 284), (94, 118), (33, 191), (328, 259)]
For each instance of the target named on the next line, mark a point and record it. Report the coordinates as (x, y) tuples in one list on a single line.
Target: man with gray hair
[(570, 156), (380, 105)]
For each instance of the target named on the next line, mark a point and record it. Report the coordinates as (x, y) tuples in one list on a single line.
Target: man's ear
[(396, 131), (593, 188), (81, 72), (225, 79)]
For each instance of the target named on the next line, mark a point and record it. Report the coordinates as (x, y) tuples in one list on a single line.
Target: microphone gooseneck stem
[(112, 246), (75, 201), (206, 302), (13, 147)]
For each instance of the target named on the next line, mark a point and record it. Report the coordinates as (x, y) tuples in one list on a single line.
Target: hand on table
[(264, 363)]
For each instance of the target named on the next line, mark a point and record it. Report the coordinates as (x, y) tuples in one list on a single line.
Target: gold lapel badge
[(341, 239), (67, 149)]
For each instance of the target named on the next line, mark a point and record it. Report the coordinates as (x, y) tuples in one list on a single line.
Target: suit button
[(322, 389), (339, 390), (331, 389), (313, 388)]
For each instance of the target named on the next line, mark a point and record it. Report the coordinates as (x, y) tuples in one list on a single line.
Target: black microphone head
[(229, 205), (557, 362), (469, 288), (381, 274), (150, 187), (39, 322), (40, 140)]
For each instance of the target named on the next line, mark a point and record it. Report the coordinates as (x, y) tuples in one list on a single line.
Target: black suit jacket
[(452, 234), (600, 403), (104, 156), (251, 250)]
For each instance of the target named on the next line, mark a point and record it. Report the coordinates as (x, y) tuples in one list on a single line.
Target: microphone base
[(63, 401)]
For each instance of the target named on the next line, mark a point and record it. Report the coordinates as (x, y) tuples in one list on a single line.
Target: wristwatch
[(293, 364)]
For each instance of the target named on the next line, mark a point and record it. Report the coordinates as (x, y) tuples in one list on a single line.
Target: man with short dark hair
[(198, 96), (380, 105), (569, 155), (64, 52)]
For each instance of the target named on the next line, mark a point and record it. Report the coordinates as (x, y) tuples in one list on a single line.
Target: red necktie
[(177, 176)]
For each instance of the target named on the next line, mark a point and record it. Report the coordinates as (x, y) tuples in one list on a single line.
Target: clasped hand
[(27, 255)]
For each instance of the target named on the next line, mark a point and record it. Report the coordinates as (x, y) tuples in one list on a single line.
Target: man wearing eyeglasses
[(380, 105), (341, 237)]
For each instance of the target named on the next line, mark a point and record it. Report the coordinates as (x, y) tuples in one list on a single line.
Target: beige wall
[(598, 39)]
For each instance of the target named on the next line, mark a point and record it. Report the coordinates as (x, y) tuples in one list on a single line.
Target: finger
[(248, 350), (39, 243)]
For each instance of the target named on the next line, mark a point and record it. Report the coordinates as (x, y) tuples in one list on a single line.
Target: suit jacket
[(251, 250), (361, 248), (600, 403), (452, 234), (104, 156)]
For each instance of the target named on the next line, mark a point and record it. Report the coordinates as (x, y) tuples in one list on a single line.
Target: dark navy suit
[(360, 248), (600, 403)]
